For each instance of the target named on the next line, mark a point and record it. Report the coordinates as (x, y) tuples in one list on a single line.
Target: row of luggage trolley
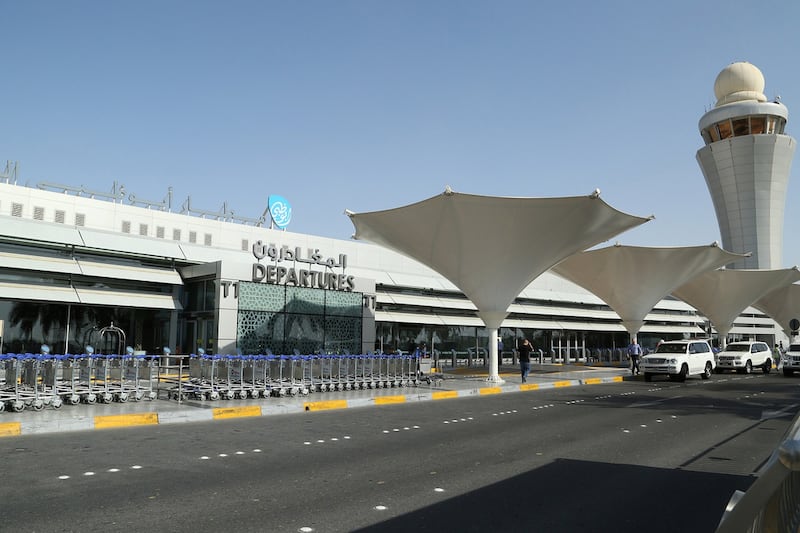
[(37, 381), (213, 377)]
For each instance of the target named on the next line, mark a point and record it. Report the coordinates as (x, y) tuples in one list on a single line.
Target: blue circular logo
[(280, 210)]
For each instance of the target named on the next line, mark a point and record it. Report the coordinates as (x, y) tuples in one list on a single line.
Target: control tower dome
[(746, 162)]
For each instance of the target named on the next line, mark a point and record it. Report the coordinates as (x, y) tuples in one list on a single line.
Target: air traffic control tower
[(746, 163)]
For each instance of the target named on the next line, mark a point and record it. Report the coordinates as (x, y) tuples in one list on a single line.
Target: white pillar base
[(495, 379)]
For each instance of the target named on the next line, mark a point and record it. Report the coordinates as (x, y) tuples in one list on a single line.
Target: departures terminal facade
[(73, 262)]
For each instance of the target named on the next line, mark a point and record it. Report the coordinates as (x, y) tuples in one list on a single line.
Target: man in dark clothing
[(525, 350), (634, 352)]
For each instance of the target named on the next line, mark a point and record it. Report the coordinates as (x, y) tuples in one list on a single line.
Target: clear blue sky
[(368, 105)]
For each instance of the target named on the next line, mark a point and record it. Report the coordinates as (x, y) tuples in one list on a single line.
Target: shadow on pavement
[(580, 496)]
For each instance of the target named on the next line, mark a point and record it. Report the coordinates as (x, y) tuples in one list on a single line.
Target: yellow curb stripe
[(10, 429), (562, 384), (617, 378), (321, 406), (236, 412), (382, 400), (115, 421), (592, 381), (529, 386), (444, 394), (490, 390)]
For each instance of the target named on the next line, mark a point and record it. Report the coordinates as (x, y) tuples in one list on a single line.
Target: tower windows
[(741, 126)]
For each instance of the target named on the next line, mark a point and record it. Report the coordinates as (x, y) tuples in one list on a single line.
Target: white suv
[(791, 360), (678, 359), (744, 356)]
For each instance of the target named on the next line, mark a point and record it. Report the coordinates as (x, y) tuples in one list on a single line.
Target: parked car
[(678, 359), (743, 356), (791, 360)]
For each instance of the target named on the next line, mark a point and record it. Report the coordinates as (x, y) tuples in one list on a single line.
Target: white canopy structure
[(492, 247), (633, 279), (722, 295), (782, 306)]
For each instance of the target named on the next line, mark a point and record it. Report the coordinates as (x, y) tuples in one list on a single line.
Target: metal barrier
[(772, 503)]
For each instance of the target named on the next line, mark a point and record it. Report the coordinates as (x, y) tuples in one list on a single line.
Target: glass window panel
[(260, 332), (341, 303), (713, 131), (305, 300), (741, 127), (757, 125), (770, 125), (306, 333), (724, 129), (343, 335), (261, 297), (210, 296)]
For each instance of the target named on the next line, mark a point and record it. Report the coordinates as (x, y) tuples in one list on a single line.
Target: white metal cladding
[(129, 272), (40, 262), (45, 293), (144, 300), (44, 262), (132, 244), (39, 231), (747, 178)]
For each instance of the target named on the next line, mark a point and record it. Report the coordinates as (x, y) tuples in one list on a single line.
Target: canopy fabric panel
[(492, 247), (782, 306), (633, 279), (722, 295)]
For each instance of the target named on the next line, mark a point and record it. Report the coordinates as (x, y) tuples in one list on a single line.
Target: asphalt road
[(622, 457)]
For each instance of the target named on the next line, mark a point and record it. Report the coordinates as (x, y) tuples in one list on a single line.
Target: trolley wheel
[(17, 406), (73, 399), (122, 397), (153, 395), (138, 396), (213, 396), (2, 406), (90, 398), (106, 397), (37, 405), (56, 403)]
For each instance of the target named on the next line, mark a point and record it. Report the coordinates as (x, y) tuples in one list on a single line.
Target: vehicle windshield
[(737, 348), (671, 348), (794, 348)]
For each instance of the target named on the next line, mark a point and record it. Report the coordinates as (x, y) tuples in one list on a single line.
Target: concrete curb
[(183, 413)]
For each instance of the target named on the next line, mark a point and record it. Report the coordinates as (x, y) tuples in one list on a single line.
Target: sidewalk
[(456, 383)]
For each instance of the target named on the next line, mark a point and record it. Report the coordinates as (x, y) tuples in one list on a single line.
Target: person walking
[(525, 349), (634, 352)]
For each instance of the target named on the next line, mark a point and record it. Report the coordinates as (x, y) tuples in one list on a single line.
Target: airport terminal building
[(74, 261)]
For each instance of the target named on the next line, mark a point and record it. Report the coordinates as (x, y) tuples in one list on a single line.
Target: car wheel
[(767, 367), (748, 367), (707, 372), (787, 372), (648, 376)]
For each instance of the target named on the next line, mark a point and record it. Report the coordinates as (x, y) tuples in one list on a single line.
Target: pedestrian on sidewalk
[(525, 349), (634, 352)]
